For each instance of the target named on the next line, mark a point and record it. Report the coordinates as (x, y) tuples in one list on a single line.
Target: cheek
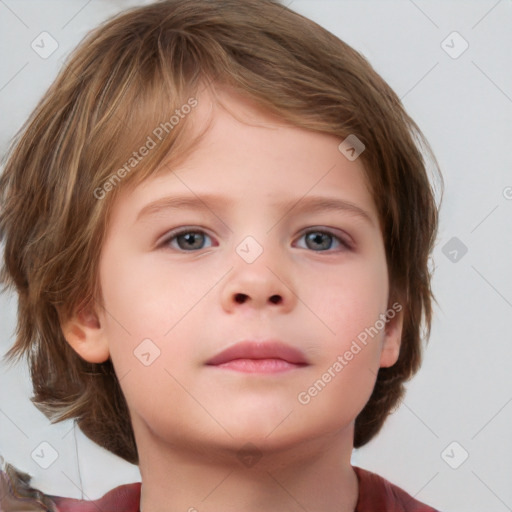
[(349, 305), (351, 299), (147, 296), (146, 320), (344, 375), (337, 395)]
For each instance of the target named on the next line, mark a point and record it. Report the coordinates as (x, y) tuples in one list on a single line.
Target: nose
[(258, 285)]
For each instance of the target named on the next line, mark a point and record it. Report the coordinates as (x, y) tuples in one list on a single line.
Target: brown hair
[(126, 78)]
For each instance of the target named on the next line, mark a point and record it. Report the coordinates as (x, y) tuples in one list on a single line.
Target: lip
[(261, 351)]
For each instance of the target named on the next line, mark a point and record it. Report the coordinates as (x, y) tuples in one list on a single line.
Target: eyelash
[(345, 245)]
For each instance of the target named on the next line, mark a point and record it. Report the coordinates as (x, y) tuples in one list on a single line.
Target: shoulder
[(376, 494), (16, 495)]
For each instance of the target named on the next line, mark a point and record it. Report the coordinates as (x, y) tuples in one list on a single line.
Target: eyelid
[(173, 233), (345, 239)]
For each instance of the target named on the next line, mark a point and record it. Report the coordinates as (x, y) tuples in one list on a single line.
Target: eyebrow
[(202, 203), (316, 204)]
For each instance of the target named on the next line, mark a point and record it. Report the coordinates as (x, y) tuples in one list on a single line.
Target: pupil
[(316, 238), (190, 238)]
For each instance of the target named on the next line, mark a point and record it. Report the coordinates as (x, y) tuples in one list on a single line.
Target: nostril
[(240, 298)]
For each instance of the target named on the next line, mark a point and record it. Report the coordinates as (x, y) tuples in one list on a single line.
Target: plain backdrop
[(450, 443)]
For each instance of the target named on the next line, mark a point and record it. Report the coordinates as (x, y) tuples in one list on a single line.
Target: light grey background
[(463, 393)]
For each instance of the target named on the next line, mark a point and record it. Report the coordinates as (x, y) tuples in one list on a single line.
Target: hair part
[(125, 79)]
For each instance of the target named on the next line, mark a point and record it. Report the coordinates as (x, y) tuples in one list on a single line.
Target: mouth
[(259, 357)]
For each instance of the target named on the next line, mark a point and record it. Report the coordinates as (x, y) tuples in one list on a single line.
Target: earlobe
[(84, 333), (392, 337)]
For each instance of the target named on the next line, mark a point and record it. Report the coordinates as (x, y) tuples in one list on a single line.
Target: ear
[(392, 335), (84, 333)]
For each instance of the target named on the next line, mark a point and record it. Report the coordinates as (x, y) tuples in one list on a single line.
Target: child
[(160, 213)]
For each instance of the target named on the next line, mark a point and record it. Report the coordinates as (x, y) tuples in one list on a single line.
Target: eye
[(187, 239), (320, 241)]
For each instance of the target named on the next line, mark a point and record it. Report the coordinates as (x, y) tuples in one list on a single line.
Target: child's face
[(253, 185)]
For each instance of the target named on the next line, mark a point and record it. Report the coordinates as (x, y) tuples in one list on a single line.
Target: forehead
[(245, 153)]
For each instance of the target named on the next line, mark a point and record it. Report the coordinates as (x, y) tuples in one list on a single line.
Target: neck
[(314, 476)]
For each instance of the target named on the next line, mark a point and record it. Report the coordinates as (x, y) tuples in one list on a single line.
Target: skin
[(191, 420)]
